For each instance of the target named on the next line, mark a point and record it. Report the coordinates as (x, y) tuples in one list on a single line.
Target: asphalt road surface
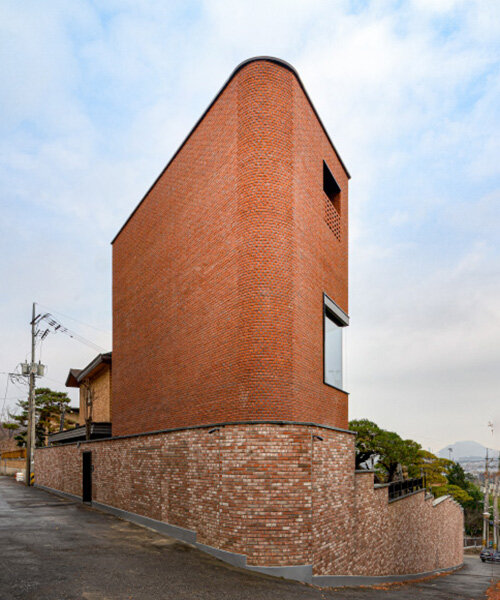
[(55, 549)]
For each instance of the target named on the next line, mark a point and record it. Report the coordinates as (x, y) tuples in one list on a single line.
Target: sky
[(97, 96)]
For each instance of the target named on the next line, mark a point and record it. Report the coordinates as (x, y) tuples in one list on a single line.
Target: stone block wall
[(243, 489), (413, 534), (282, 495)]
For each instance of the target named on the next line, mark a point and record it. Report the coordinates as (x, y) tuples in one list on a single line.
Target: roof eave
[(71, 379), (272, 59), (100, 359)]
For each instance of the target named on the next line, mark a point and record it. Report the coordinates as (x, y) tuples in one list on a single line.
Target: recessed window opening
[(332, 201), (331, 187), (335, 320)]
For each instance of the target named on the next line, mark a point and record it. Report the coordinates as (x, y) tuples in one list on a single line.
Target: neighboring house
[(94, 414), (60, 422), (7, 441), (12, 461), (11, 456), (229, 406)]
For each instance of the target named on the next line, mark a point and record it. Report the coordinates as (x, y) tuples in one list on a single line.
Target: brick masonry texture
[(218, 283), (277, 494), (101, 387), (219, 275), (409, 535)]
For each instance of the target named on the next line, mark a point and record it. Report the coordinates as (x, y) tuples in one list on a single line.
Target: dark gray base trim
[(58, 492), (297, 573), (301, 573), (237, 560), (179, 533), (357, 580)]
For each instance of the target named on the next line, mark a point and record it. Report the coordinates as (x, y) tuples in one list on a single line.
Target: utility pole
[(486, 505), (495, 508), (30, 434)]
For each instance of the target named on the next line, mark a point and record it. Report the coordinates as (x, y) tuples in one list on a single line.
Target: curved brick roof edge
[(272, 59)]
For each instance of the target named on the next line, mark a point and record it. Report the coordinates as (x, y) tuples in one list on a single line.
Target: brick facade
[(219, 275), (218, 284), (282, 495)]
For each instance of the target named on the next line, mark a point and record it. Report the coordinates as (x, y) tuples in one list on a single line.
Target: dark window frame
[(336, 314)]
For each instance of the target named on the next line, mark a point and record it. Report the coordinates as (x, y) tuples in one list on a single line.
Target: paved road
[(54, 549)]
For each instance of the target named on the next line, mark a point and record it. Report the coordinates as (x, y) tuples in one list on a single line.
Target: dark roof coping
[(98, 430), (76, 376), (72, 379), (217, 425), (277, 61)]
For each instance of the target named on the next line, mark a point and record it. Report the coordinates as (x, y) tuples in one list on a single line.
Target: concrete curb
[(302, 573), (58, 492), (179, 533), (359, 580)]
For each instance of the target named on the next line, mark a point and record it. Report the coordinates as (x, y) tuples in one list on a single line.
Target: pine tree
[(49, 407)]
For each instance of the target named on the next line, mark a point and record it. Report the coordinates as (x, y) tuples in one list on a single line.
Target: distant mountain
[(465, 450)]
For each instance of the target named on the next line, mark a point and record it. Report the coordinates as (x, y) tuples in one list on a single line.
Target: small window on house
[(332, 201), (334, 322)]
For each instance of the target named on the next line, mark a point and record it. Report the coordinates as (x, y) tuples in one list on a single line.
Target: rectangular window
[(335, 320)]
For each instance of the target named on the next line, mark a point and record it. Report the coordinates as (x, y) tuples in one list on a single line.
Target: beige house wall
[(101, 387), (10, 466)]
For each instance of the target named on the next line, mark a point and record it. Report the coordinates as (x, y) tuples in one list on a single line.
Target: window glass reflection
[(333, 352)]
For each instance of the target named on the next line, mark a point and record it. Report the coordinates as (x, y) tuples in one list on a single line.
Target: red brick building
[(229, 413)]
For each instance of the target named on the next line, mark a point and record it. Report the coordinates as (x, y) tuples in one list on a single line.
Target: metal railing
[(398, 489), (472, 542)]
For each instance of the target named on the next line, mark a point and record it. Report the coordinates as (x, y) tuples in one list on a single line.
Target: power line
[(54, 380), (55, 326), (20, 389), (76, 320), (12, 378)]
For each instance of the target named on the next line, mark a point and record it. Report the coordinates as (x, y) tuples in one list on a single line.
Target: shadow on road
[(52, 549)]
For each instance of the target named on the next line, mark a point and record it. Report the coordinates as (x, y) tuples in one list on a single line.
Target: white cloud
[(95, 100)]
